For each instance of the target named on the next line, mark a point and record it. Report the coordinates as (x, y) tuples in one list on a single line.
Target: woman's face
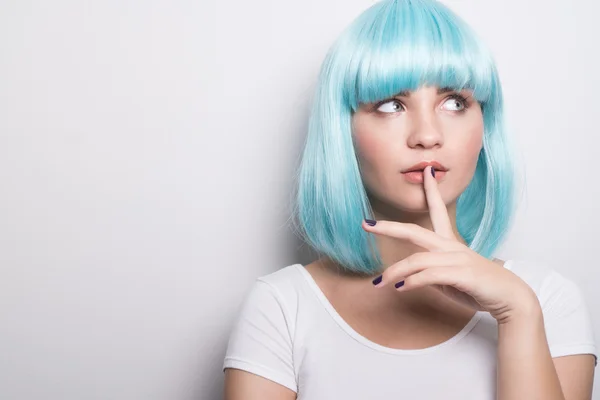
[(428, 124)]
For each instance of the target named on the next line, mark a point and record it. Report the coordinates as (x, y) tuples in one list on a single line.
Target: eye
[(395, 106), (457, 99)]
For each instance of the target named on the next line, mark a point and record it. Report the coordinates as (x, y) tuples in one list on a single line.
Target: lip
[(423, 164), (417, 176)]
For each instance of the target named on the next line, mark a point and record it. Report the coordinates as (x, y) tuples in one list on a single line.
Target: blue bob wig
[(398, 45)]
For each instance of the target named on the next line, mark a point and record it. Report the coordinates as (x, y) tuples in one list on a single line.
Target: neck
[(392, 249)]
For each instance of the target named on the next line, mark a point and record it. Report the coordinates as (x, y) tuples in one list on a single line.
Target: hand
[(452, 267)]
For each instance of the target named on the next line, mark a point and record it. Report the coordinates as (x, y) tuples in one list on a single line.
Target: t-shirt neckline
[(363, 340)]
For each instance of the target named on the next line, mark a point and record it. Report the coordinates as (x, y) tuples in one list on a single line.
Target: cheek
[(474, 144), (367, 147), (371, 149), (469, 152)]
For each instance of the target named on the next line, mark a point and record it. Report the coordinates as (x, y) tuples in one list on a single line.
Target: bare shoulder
[(499, 262), (315, 267), (243, 385), (319, 272)]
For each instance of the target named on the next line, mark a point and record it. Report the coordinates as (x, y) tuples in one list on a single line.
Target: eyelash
[(457, 96)]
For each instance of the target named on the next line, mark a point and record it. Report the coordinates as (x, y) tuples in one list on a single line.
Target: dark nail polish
[(399, 284), (370, 222), (433, 172), (377, 280)]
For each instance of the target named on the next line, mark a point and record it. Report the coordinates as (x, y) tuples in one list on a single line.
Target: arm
[(259, 363), (242, 385), (576, 375), (526, 369)]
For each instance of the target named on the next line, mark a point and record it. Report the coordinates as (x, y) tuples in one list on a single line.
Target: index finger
[(414, 233), (438, 212)]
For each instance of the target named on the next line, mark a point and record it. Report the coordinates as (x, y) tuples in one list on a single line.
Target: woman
[(406, 190)]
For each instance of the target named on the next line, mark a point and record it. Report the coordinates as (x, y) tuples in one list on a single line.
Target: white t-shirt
[(288, 332)]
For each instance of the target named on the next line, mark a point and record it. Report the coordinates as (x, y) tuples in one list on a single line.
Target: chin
[(415, 204), (415, 201), (404, 203), (410, 197)]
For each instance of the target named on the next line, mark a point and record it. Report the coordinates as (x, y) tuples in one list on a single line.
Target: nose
[(425, 133)]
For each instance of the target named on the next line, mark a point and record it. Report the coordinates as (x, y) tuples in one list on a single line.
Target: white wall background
[(147, 151)]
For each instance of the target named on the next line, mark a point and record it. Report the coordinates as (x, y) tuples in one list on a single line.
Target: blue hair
[(398, 45)]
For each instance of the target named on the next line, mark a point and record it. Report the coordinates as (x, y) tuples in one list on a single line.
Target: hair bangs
[(404, 45)]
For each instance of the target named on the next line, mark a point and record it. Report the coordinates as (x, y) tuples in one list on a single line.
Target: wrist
[(527, 309)]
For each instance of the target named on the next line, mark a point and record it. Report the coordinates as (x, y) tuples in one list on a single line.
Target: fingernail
[(433, 172), (377, 280), (370, 222), (399, 284)]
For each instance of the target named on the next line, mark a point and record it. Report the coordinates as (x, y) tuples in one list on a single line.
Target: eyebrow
[(406, 93)]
